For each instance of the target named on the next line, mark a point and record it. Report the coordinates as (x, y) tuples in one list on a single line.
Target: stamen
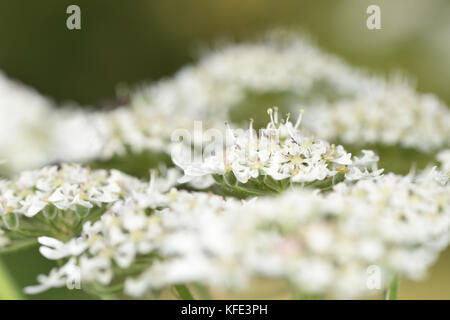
[(270, 113), (227, 125), (288, 115), (229, 133), (275, 114), (152, 180), (299, 119)]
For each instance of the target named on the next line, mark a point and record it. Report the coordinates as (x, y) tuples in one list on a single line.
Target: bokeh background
[(139, 41)]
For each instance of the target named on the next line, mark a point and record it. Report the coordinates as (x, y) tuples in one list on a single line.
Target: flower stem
[(8, 290), (202, 292), (184, 292), (392, 291)]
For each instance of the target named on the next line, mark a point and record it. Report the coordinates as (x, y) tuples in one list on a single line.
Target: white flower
[(32, 205), (364, 109), (54, 280), (26, 115), (321, 243), (444, 158), (280, 152), (95, 269), (67, 188), (368, 159), (54, 249), (314, 275)]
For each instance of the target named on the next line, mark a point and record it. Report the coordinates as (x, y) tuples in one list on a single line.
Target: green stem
[(183, 292), (8, 290), (19, 245), (392, 291), (202, 292)]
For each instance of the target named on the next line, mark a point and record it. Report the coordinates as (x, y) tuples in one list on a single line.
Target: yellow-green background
[(137, 41)]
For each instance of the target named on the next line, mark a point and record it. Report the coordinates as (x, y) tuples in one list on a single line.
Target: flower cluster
[(392, 114), (45, 134), (323, 247), (65, 188), (24, 113), (278, 156), (344, 103), (57, 201), (340, 218), (127, 129), (128, 238)]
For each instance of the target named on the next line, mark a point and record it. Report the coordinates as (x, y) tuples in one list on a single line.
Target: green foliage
[(135, 164)]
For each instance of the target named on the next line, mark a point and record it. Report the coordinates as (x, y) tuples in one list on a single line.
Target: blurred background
[(139, 41)]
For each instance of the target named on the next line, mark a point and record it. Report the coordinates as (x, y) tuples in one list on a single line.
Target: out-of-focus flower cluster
[(35, 133), (23, 135), (444, 158), (391, 114), (342, 103)]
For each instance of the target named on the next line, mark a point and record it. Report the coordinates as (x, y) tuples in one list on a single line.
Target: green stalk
[(183, 292), (392, 291), (202, 292), (18, 245), (8, 290)]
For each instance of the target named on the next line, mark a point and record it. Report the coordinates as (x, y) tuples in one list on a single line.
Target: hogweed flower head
[(356, 107), (363, 109), (127, 238), (56, 201), (280, 155), (323, 247)]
